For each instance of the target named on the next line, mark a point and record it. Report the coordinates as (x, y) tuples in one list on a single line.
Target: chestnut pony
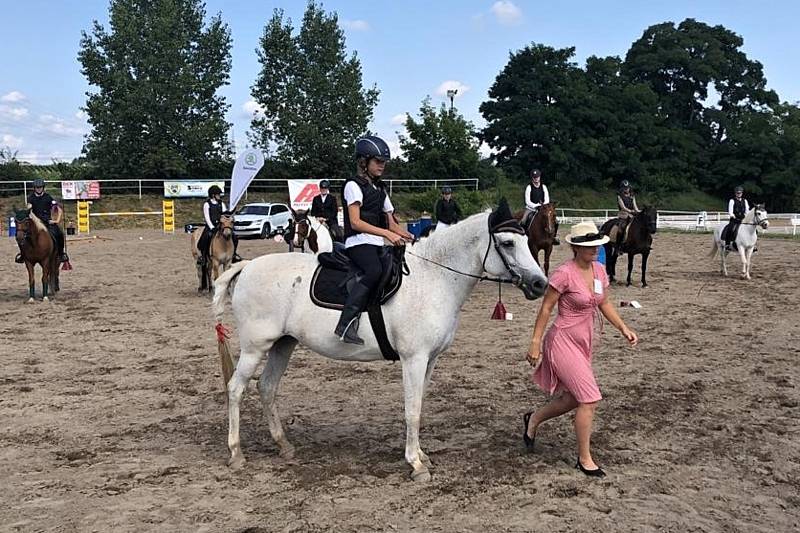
[(541, 233), (37, 247)]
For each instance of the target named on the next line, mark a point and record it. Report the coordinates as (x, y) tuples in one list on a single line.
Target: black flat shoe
[(597, 472), (529, 442)]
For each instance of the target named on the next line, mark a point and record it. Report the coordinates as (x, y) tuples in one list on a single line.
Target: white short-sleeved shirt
[(352, 195)]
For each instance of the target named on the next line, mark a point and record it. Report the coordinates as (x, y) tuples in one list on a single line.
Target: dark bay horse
[(37, 247), (639, 240), (541, 233)]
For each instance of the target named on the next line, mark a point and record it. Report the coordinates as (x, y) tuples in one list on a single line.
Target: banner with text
[(302, 192), (190, 189), (247, 166), (80, 190)]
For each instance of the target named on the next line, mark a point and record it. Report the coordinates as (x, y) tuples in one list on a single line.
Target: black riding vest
[(41, 206), (537, 194), (214, 212), (627, 201), (446, 211), (371, 206), (738, 208)]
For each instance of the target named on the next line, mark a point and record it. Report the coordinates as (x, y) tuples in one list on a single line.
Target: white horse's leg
[(428, 372), (743, 257), (749, 260), (414, 370), (268, 388), (723, 253), (245, 368)]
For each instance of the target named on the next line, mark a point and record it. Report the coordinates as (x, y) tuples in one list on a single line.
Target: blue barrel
[(601, 255), (12, 227), (414, 228), (425, 222)]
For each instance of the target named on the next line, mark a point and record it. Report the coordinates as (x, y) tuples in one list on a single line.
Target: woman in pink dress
[(579, 287)]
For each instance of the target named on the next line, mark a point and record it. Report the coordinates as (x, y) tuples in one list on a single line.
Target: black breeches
[(731, 230), (367, 257), (204, 243), (58, 238)]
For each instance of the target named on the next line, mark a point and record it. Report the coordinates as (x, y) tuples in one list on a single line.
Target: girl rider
[(368, 220), (213, 208), (737, 209)]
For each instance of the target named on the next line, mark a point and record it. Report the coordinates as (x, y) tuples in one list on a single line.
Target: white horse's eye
[(507, 244)]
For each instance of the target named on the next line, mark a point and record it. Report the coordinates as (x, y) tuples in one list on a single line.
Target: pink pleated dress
[(567, 346)]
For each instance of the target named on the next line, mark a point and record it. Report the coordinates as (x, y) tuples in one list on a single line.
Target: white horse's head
[(508, 256), (760, 216)]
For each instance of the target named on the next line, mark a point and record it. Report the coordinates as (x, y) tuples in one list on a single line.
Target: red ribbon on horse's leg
[(223, 333)]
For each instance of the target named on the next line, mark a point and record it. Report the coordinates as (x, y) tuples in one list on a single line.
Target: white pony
[(274, 313), (745, 240), (312, 233)]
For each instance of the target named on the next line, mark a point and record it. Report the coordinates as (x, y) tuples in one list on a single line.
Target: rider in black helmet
[(737, 209), (42, 205), (212, 212), (325, 208), (368, 220), (447, 210)]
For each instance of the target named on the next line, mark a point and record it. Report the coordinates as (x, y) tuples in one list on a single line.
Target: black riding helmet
[(38, 182), (372, 147), (536, 173), (446, 190), (738, 188), (624, 185), (214, 189), (324, 184)]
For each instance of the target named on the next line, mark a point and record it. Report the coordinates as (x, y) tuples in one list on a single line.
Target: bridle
[(509, 226), (757, 221)]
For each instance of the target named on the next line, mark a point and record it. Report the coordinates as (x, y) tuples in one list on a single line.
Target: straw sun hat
[(586, 234)]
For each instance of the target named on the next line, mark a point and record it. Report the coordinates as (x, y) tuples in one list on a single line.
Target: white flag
[(247, 166)]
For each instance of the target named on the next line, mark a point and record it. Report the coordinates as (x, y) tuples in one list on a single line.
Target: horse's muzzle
[(764, 224), (531, 290)]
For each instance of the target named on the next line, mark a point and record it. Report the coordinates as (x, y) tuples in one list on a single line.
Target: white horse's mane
[(38, 222)]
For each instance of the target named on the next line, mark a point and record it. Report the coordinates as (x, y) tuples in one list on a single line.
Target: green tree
[(315, 106), (10, 167), (441, 144), (155, 112)]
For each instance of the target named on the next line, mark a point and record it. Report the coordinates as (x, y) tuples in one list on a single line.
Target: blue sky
[(409, 49)]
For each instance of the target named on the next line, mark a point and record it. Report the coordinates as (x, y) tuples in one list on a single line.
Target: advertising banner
[(247, 166), (190, 189), (80, 190), (302, 192)]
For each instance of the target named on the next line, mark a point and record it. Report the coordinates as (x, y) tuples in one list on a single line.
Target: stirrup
[(236, 258), (19, 259), (349, 334)]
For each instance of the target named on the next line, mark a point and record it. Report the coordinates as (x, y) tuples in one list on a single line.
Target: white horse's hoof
[(421, 476), (287, 452), (426, 460), (236, 463), (45, 299), (30, 301)]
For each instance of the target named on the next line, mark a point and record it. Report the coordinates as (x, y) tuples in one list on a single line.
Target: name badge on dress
[(598, 286)]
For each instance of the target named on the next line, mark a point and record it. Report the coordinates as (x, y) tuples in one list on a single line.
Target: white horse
[(274, 313), (315, 233), (745, 240)]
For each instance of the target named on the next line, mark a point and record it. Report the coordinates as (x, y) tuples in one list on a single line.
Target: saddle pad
[(328, 287)]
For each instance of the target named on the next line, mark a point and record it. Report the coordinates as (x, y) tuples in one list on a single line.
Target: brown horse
[(37, 247), (541, 233), (638, 239), (220, 253)]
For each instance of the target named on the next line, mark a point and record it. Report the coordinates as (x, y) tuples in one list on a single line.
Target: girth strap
[(379, 329)]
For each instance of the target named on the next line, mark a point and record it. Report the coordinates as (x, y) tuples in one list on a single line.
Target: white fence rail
[(156, 187)]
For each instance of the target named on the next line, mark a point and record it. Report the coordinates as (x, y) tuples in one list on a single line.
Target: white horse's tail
[(714, 248), (222, 288)]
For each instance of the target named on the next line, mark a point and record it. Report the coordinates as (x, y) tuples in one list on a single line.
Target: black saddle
[(335, 270)]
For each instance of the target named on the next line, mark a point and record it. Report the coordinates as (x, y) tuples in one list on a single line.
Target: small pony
[(220, 254), (745, 240), (37, 247), (638, 240)]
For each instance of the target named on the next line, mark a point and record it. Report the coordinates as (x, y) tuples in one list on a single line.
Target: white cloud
[(82, 115), (399, 119), (58, 127), (485, 150), (251, 109), (13, 96), (507, 13), (356, 25), (15, 113), (394, 146), (452, 85), (10, 141)]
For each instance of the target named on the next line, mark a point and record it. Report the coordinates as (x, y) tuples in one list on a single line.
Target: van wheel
[(266, 230)]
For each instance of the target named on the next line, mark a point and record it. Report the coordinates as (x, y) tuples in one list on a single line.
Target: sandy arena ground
[(112, 416)]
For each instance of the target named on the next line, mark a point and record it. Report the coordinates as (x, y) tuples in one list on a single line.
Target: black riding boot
[(347, 328)]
